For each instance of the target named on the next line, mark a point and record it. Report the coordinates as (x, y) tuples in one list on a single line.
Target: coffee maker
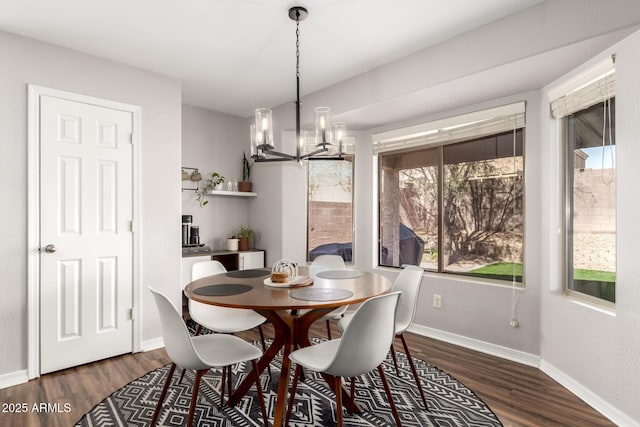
[(186, 224), (190, 233), (191, 238)]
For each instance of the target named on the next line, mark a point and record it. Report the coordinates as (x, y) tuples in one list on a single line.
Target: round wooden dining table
[(291, 311)]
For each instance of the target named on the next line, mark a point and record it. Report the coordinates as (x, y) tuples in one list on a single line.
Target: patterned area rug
[(450, 402)]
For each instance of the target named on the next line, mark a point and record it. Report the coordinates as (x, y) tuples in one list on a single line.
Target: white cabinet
[(249, 260), (240, 260)]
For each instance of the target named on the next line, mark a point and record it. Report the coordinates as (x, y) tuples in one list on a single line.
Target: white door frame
[(33, 215)]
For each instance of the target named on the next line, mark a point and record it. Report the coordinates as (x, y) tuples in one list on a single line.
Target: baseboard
[(596, 402), (152, 344), (13, 378), (481, 346)]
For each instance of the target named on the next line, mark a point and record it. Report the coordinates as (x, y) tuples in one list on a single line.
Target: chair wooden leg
[(229, 369), (328, 328), (352, 391), (182, 375), (156, 413), (395, 360), (198, 329), (396, 417), (413, 369), (292, 394), (338, 391), (264, 346), (223, 384), (194, 396), (260, 395)]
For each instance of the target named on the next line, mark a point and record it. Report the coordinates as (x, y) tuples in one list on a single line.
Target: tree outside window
[(455, 208)]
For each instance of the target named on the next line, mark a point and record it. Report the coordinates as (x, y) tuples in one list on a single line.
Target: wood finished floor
[(519, 395)]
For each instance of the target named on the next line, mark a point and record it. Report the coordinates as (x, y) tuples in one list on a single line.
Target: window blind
[(458, 128), (589, 88)]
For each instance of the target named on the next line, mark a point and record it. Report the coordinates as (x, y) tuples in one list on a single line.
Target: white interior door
[(86, 279)]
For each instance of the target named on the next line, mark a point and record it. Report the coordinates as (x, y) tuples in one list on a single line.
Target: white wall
[(27, 61), (214, 142), (598, 349), (497, 64)]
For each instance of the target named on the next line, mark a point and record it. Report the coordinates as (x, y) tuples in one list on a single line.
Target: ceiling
[(233, 56)]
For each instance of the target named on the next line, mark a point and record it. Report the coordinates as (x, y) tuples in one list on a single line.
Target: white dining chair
[(200, 353), (362, 348), (408, 283), (326, 263), (224, 320)]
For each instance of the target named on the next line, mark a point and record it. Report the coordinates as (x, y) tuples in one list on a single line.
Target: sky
[(595, 159)]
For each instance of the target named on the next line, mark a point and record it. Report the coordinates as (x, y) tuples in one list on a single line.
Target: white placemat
[(339, 274), (321, 294)]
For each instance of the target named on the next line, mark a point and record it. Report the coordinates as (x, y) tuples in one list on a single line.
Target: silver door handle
[(50, 249)]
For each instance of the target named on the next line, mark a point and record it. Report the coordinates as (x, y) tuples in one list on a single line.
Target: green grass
[(594, 275), (508, 268), (499, 269)]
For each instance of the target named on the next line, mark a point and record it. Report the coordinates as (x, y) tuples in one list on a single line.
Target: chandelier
[(328, 138)]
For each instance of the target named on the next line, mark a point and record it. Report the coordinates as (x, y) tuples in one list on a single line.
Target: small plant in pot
[(212, 182), (247, 237), (245, 184)]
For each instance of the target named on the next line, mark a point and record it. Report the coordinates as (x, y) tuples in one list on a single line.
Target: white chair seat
[(224, 319), (316, 357), (221, 350)]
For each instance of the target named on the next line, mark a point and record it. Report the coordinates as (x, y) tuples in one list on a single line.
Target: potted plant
[(247, 238), (245, 184), (212, 182)]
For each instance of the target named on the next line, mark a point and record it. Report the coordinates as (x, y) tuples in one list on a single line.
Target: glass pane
[(330, 208), (409, 209), (592, 198), (482, 207)]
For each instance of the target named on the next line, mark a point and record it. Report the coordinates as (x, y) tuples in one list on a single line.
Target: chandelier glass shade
[(326, 141)]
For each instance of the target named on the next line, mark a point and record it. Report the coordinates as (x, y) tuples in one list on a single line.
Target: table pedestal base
[(291, 332)]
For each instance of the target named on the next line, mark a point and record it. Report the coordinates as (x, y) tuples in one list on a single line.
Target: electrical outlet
[(437, 301)]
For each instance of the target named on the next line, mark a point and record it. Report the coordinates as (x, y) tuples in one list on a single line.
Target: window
[(456, 206), (330, 208), (590, 229), (586, 109)]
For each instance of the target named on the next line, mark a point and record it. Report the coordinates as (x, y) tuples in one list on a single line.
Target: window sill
[(460, 278), (574, 299)]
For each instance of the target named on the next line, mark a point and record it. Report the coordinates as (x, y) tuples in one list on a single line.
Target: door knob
[(50, 249)]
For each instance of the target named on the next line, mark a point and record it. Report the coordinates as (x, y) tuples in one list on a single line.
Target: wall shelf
[(231, 193)]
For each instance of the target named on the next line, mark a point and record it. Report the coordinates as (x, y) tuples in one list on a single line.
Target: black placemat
[(223, 289), (246, 274)]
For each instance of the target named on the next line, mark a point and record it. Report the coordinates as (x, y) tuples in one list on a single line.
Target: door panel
[(86, 285)]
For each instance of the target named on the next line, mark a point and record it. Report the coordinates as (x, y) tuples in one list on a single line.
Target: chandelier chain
[(297, 48)]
